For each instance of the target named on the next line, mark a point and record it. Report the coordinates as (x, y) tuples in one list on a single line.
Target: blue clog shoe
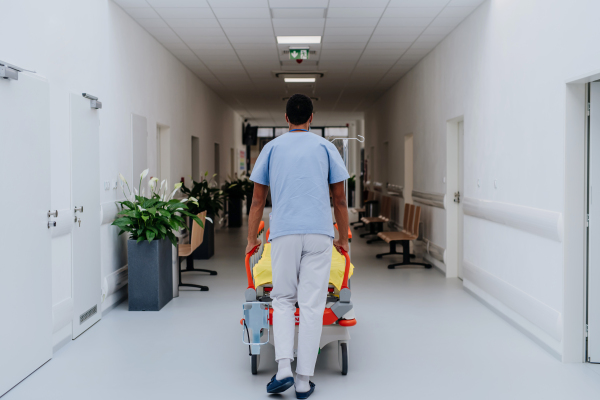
[(281, 386), (305, 395)]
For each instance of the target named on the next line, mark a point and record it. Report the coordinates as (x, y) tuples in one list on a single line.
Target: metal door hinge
[(94, 102), (587, 329), (587, 221), (589, 107), (457, 197)]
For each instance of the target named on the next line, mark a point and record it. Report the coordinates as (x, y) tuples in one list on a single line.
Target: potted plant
[(210, 199), (248, 186), (235, 192), (150, 222)]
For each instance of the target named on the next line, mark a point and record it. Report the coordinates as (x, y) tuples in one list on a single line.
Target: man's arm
[(259, 198), (340, 209)]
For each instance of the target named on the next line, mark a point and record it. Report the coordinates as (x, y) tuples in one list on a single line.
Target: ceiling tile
[(446, 21), (405, 22), (263, 31), (252, 39), (299, 23), (293, 13), (131, 3), (210, 46), (393, 30), (399, 46), (355, 12), (152, 22), (345, 38), (351, 22), (245, 23), (254, 46), (358, 3), (161, 32), (382, 55), (187, 32), (239, 3), (393, 38), (178, 3), (193, 40), (465, 3), (418, 3), (438, 30), (175, 46), (456, 12), (347, 31), (424, 46), (412, 12), (192, 22), (287, 31), (298, 4), (430, 38), (185, 12), (223, 53), (142, 12), (348, 45), (242, 12)]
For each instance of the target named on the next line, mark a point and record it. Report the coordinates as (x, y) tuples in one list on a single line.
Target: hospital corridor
[(277, 199)]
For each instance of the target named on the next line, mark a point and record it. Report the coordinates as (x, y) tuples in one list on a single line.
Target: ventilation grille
[(86, 315)]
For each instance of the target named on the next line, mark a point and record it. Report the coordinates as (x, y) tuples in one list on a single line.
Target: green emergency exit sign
[(299, 54)]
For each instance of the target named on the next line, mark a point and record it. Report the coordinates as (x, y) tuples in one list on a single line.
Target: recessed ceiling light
[(298, 39), (298, 80)]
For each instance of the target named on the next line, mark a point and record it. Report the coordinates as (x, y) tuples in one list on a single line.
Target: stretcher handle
[(347, 270), (248, 272), (261, 226)]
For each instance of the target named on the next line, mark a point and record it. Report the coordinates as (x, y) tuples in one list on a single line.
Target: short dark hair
[(299, 109)]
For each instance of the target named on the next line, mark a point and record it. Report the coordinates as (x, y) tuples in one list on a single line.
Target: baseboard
[(545, 332), (112, 301), (440, 266), (62, 337)]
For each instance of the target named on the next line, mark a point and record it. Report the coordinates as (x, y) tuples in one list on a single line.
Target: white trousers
[(301, 265)]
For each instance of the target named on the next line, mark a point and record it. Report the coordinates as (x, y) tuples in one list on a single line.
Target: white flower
[(209, 219), (178, 185), (183, 200), (141, 209), (136, 191), (122, 178), (144, 173)]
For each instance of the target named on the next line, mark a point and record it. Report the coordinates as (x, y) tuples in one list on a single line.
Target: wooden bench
[(412, 216), (362, 212), (187, 249), (375, 224)]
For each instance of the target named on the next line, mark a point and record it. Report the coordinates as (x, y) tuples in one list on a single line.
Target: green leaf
[(152, 211), (162, 229), (145, 218), (140, 239), (150, 235)]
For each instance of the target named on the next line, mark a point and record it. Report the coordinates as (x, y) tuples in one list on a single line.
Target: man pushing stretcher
[(300, 168)]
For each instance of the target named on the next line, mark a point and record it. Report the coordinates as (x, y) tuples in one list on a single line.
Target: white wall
[(95, 47), (505, 70)]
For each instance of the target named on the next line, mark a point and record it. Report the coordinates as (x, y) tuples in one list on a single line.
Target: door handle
[(80, 209), (53, 214)]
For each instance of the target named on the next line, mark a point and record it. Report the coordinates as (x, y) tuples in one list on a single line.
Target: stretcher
[(257, 324)]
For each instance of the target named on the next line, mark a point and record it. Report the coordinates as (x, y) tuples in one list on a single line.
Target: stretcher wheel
[(343, 357), (255, 363)]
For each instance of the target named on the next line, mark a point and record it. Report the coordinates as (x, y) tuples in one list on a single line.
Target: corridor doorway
[(455, 192), (164, 151), (408, 169), (593, 229), (217, 164)]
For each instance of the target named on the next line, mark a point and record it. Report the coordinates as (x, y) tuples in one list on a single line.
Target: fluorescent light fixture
[(298, 39), (298, 80)]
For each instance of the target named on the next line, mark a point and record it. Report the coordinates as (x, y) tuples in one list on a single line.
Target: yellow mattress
[(263, 274)]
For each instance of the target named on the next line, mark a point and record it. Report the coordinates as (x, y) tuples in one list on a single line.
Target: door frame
[(452, 180), (575, 219)]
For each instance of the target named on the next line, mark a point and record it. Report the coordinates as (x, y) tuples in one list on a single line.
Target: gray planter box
[(150, 274)]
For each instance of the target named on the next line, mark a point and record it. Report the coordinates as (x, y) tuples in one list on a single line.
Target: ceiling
[(367, 46)]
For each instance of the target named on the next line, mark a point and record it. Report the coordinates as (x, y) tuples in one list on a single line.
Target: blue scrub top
[(299, 166)]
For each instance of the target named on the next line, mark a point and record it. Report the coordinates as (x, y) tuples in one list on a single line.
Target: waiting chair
[(410, 232), (375, 224), (186, 251), (362, 212)]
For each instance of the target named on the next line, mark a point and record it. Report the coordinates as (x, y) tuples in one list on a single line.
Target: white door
[(461, 193), (593, 351), (85, 189), (25, 252)]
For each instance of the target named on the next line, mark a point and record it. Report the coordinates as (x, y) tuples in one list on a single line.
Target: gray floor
[(419, 336)]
